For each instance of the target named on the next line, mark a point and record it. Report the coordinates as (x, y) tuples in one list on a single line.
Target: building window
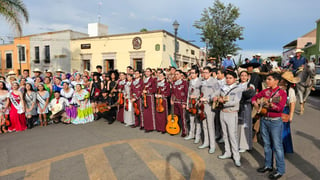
[(192, 52), (157, 47), (137, 64), (86, 65), (36, 54), (109, 65), (47, 54), (22, 53), (9, 60), (164, 47)]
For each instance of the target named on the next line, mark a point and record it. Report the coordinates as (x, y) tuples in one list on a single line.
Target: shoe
[(220, 141), (203, 146), (196, 141), (224, 156), (237, 163), (183, 135), (264, 169), (188, 138), (242, 150), (275, 175), (212, 150)]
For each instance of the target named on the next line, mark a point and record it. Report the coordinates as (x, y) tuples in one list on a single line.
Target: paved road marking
[(98, 166), (160, 167)]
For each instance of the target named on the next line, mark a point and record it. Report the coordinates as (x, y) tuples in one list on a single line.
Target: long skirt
[(245, 127), (129, 118), (84, 113), (120, 113), (18, 121), (286, 134), (149, 114), (161, 118), (71, 114)]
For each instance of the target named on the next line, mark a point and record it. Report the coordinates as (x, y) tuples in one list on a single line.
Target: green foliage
[(218, 25), (143, 30), (14, 11)]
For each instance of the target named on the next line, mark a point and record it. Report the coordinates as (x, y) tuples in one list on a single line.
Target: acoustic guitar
[(103, 107), (172, 126)]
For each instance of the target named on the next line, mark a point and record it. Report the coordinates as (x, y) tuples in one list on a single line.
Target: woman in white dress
[(43, 101), (71, 110), (128, 108), (4, 114)]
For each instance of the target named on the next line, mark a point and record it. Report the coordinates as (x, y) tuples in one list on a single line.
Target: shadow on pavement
[(315, 141), (186, 170)]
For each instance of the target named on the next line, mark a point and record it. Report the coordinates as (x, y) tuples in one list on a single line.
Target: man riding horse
[(297, 62)]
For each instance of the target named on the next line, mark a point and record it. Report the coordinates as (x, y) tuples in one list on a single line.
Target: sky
[(268, 24)]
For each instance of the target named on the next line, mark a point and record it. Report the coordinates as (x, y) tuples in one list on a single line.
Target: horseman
[(297, 61)]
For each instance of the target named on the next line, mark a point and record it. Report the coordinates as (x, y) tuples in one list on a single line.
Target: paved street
[(101, 151)]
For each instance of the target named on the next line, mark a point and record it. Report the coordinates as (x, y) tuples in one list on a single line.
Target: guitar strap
[(230, 90), (274, 94)]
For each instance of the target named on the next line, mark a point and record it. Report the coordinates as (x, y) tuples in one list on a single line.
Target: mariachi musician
[(107, 106), (136, 92), (149, 89), (120, 88), (179, 99), (163, 92), (193, 97), (210, 89)]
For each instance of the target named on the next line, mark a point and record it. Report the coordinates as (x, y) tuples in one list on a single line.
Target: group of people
[(215, 102)]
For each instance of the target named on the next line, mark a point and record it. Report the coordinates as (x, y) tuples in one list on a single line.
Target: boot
[(29, 123)]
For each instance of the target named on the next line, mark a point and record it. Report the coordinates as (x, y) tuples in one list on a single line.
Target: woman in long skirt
[(17, 115), (245, 119), (71, 111), (120, 87), (163, 92), (287, 83), (85, 113), (43, 100), (4, 113), (30, 97), (128, 114)]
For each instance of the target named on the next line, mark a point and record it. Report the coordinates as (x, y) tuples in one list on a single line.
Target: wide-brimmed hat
[(59, 70), (291, 56), (212, 58), (253, 64), (258, 54), (48, 71), (37, 70), (299, 51), (288, 75), (11, 73), (229, 55)]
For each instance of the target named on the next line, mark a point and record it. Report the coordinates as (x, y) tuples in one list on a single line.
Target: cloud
[(132, 15), (162, 19)]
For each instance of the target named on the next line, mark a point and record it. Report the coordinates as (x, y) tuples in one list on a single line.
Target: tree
[(218, 25), (14, 11), (143, 30)]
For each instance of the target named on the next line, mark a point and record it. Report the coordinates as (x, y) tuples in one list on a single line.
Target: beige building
[(140, 50)]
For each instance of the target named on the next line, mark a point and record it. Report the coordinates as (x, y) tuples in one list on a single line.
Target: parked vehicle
[(316, 81)]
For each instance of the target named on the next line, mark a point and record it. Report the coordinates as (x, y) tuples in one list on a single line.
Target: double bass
[(172, 126), (159, 103)]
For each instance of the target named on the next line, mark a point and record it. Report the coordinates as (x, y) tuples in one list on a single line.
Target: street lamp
[(19, 56), (175, 27), (207, 45)]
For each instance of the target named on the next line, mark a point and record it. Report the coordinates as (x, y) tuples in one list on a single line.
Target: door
[(109, 65), (137, 64), (86, 65)]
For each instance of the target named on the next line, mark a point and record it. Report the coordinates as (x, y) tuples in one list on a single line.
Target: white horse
[(303, 88)]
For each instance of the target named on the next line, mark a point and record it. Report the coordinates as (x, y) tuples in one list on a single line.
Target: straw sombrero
[(288, 75), (37, 70)]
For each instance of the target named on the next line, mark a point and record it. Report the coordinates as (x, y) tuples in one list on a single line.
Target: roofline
[(309, 32), (138, 33), (289, 43), (317, 20), (52, 32)]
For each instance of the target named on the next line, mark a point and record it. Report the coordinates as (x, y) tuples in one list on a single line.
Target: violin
[(201, 114), (126, 107), (136, 109), (159, 103), (120, 99), (192, 106), (144, 97)]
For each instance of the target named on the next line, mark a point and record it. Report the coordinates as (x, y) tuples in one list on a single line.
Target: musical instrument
[(144, 98), (263, 110), (103, 107), (120, 99), (172, 126), (192, 106), (136, 109), (96, 92), (56, 109), (218, 105), (201, 114), (126, 107), (4, 125), (159, 103)]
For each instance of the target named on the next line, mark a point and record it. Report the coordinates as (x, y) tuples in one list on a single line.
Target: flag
[(173, 63)]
